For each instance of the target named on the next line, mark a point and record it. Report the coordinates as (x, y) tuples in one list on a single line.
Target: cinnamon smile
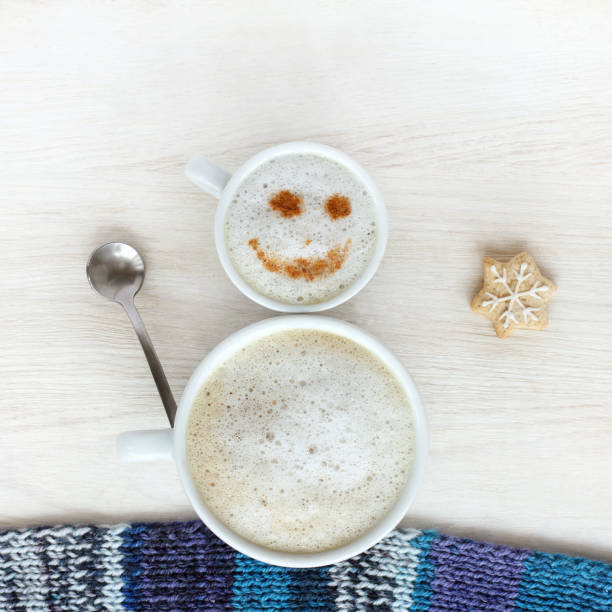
[(308, 268)]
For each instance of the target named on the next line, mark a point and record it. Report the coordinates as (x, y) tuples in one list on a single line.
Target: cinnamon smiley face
[(301, 228), (289, 204)]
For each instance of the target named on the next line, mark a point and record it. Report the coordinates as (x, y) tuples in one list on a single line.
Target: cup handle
[(206, 175), (146, 445)]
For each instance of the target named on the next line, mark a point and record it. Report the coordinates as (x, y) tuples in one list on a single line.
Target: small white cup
[(170, 443), (222, 185)]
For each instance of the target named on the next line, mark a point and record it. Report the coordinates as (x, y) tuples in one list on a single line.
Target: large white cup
[(170, 443), (222, 185)]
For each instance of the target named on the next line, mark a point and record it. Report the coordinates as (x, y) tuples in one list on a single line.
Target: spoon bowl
[(116, 271)]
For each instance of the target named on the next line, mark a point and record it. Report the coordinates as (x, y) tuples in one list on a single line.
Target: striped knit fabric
[(182, 566)]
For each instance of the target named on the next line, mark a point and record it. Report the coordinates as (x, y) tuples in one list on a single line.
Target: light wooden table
[(488, 128)]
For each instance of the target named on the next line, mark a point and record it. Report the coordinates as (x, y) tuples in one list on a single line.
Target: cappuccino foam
[(301, 441), (310, 235)]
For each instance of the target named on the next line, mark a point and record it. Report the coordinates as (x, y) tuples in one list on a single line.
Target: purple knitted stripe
[(474, 575), (184, 566)]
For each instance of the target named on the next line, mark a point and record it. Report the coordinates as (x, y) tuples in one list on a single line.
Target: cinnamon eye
[(338, 206), (287, 203)]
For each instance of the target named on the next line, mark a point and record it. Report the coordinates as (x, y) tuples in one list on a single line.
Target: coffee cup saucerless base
[(170, 443)]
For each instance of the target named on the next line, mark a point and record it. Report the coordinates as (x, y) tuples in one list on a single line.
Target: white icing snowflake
[(514, 296)]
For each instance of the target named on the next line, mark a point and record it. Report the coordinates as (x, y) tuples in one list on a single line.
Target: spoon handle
[(156, 368)]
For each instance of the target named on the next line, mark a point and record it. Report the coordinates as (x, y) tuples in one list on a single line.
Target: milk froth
[(301, 441), (309, 235)]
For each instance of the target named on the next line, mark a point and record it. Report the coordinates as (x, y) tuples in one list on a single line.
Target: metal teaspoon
[(116, 271)]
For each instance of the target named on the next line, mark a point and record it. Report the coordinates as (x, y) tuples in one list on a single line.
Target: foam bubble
[(340, 471), (308, 235)]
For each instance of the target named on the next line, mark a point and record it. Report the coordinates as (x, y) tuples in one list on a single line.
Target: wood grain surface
[(487, 126)]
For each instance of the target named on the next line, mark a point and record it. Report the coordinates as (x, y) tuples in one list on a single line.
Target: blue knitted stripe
[(422, 591), (132, 558), (309, 589), (557, 582), (259, 586)]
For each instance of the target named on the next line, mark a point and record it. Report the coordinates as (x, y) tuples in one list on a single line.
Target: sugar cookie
[(514, 294)]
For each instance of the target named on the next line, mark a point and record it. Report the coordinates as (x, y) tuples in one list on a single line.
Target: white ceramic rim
[(246, 335), (300, 147)]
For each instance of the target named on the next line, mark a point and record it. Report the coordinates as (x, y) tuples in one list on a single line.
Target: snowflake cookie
[(514, 294)]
